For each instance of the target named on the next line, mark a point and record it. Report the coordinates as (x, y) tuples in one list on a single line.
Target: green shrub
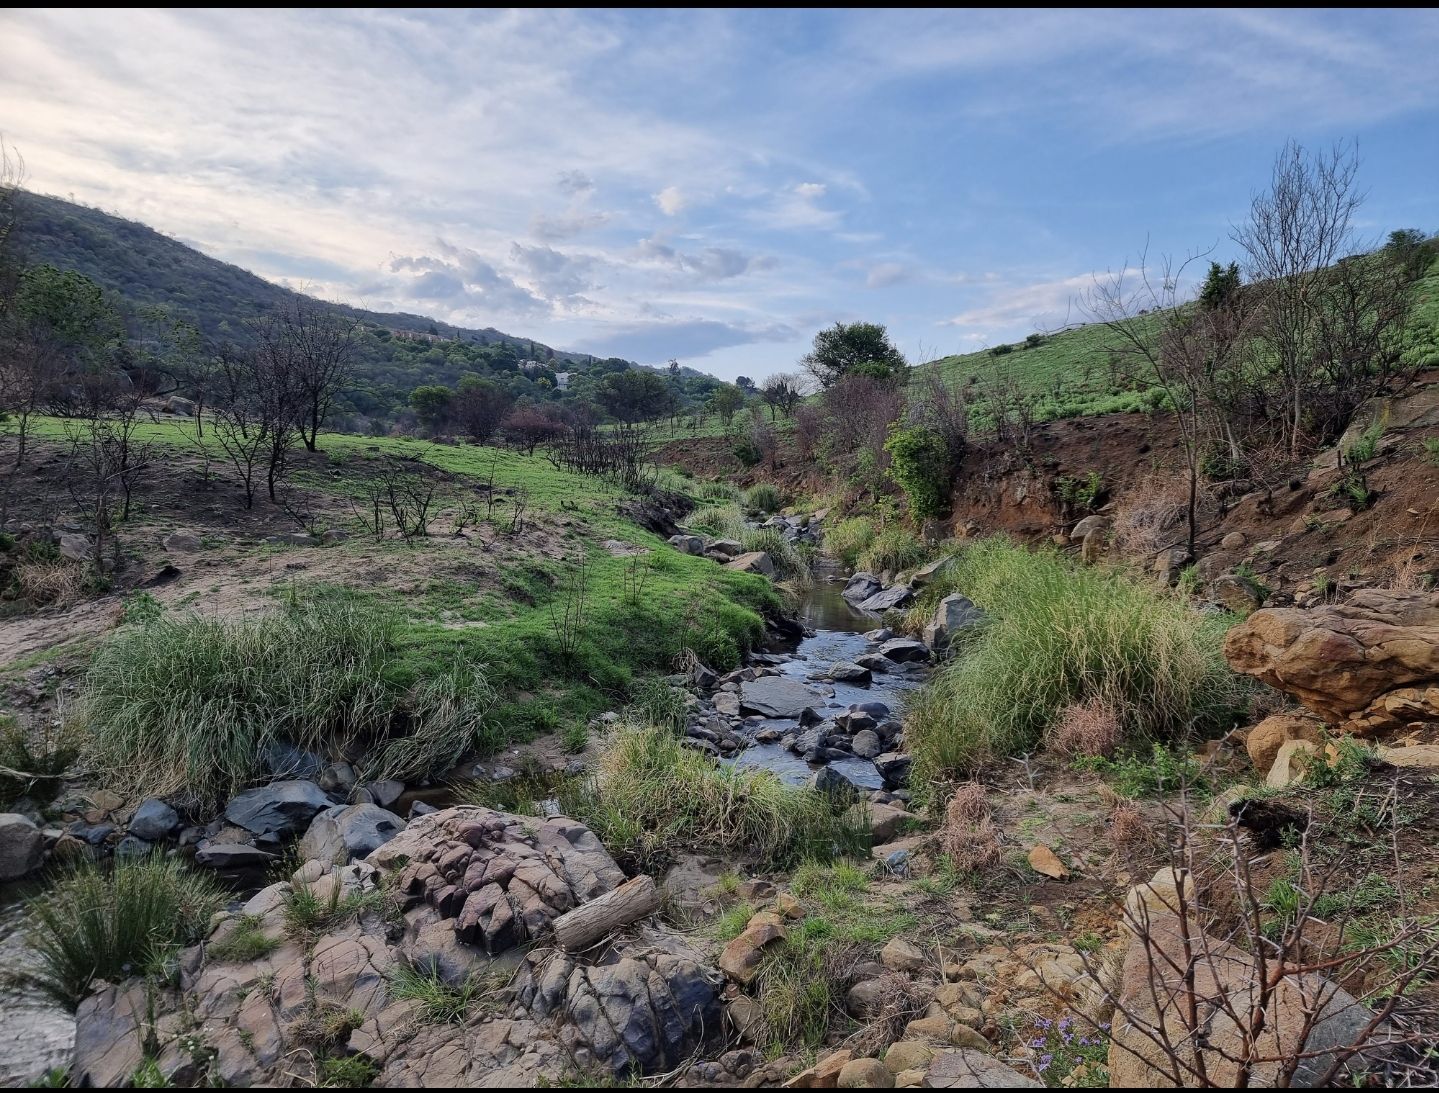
[(1367, 446), (848, 539), (746, 450), (763, 497), (244, 942), (190, 703), (789, 564), (652, 797), (1162, 772), (1082, 494), (1431, 450), (140, 608), (919, 462), (34, 769), (717, 491), (1058, 635), (718, 521), (1001, 350), (440, 1002), (112, 921), (893, 549)]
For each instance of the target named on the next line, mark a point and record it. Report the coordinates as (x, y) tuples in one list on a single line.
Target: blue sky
[(712, 186)]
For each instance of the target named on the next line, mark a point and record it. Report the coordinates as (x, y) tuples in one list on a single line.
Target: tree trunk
[(582, 927)]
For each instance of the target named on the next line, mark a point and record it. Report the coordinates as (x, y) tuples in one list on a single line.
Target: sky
[(713, 186)]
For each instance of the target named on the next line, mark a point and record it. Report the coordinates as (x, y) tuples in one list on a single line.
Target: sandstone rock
[(1160, 895), (1235, 540), (1241, 597), (1305, 1016), (281, 808), (886, 822), (970, 1069), (1423, 756), (756, 561), (788, 906), (902, 956), (907, 1055), (741, 957), (22, 846), (746, 1017), (154, 820), (1045, 861), (1266, 738), (1290, 763), (865, 1074)]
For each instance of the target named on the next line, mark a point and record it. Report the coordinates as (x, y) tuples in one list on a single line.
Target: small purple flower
[(1045, 1061)]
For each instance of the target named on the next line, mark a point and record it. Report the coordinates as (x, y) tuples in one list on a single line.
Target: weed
[(1159, 774), (245, 942), (1069, 1058), (732, 921), (1080, 494), (440, 1002), (1366, 447), (347, 1072), (1431, 450)]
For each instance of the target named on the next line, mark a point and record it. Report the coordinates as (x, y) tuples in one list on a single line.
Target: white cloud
[(671, 200), (810, 191), (884, 274), (1013, 310)]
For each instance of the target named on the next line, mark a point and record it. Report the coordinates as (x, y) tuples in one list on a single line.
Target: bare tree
[(783, 392), (279, 391), (241, 425), (107, 460), (317, 347)]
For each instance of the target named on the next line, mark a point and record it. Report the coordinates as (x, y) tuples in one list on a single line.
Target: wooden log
[(582, 927)]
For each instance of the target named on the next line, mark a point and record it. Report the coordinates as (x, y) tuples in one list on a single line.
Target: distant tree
[(322, 355), (1413, 249), (1220, 285), (859, 349), (674, 367), (725, 400), (239, 424), (744, 383), (478, 407), (635, 395), (527, 427), (783, 392), (431, 404)]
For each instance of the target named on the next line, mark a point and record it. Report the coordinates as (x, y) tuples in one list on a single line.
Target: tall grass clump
[(1057, 636), (848, 539), (651, 796), (112, 921), (893, 549), (723, 521), (191, 704), (763, 497), (790, 563), (717, 491)]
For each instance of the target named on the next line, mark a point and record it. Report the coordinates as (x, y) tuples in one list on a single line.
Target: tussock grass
[(112, 921), (441, 1002), (893, 549), (188, 705), (651, 797), (790, 563), (763, 497), (1059, 635), (848, 539), (246, 941), (717, 491), (723, 521)]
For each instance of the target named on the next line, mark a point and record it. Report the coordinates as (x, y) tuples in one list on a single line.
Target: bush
[(651, 797), (763, 497), (191, 704), (789, 563), (724, 521), (919, 462), (1059, 635), (112, 922), (1001, 350), (848, 539), (893, 549)]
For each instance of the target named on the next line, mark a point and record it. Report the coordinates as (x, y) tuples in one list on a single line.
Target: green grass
[(651, 797), (790, 563), (34, 769), (440, 1002), (246, 941), (1059, 634), (848, 539), (892, 550), (189, 704), (764, 498), (732, 921), (112, 921), (719, 521)]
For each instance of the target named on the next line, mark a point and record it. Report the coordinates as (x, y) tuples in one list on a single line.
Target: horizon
[(713, 187)]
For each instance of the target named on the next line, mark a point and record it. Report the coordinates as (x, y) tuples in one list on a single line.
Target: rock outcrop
[(1368, 666)]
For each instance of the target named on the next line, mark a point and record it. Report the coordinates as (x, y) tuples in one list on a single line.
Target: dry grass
[(969, 835), (51, 583), (1087, 728), (1148, 514), (1128, 830)]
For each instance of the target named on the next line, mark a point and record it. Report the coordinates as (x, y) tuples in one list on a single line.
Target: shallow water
[(39, 1034)]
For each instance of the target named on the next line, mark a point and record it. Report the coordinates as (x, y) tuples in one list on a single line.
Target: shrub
[(1001, 350), (652, 796), (746, 450), (1088, 728), (190, 704), (919, 462), (1145, 515), (1367, 446), (1431, 450), (848, 539), (717, 491), (724, 521), (109, 922), (1157, 774), (1083, 494), (893, 549), (1059, 635), (763, 497)]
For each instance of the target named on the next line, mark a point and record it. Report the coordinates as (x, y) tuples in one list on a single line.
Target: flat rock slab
[(775, 696)]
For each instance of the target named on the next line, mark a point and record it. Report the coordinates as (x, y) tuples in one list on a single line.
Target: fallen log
[(582, 927)]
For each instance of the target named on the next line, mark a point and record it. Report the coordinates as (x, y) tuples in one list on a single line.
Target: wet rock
[(154, 820), (888, 599), (775, 696), (894, 767), (849, 672), (861, 587), (281, 808), (905, 650), (22, 846)]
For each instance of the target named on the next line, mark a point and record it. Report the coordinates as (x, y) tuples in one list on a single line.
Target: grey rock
[(75, 548), (848, 776), (775, 696), (338, 778), (383, 793), (182, 542), (893, 767), (285, 761), (349, 831), (131, 847), (925, 574), (866, 744), (967, 1068), (848, 672), (728, 547), (154, 820), (688, 544), (22, 846), (952, 616), (874, 662), (861, 587), (878, 635), (887, 600), (279, 808), (97, 834), (756, 561), (230, 856), (905, 650)]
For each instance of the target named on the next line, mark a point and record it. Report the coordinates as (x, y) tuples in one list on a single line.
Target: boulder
[(968, 1068), (1168, 564), (1344, 662), (281, 808), (729, 548), (953, 615), (1305, 1016), (383, 793), (688, 544), (1235, 540), (154, 820), (1236, 594), (181, 542), (286, 761), (22, 846), (888, 599), (1267, 737), (342, 832), (865, 1074), (1290, 763), (902, 956), (886, 822), (775, 696), (756, 561), (131, 847), (177, 405), (905, 650), (741, 958), (1046, 862), (893, 767), (866, 744), (924, 576), (1090, 525), (907, 1055), (75, 548), (861, 587), (229, 857), (847, 672)]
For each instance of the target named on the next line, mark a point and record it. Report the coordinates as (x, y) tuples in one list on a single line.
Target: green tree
[(846, 349), (635, 394), (431, 404), (725, 400), (1220, 285), (919, 462)]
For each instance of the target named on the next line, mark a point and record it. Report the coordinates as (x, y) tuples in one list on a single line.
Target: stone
[(902, 956), (775, 696), (342, 832), (1290, 763), (1235, 540), (226, 857), (1343, 661), (905, 650), (75, 548), (786, 904), (741, 958), (866, 744), (688, 544), (924, 576), (888, 599), (1160, 895), (746, 1017), (384, 793), (22, 846), (285, 761), (954, 615), (1421, 756), (182, 542), (886, 822), (861, 587), (1235, 594), (338, 778), (132, 847), (281, 808), (893, 767), (1305, 1016), (177, 405), (756, 561), (727, 547), (1169, 563), (1090, 525), (865, 1074), (1267, 737), (908, 1055), (154, 820), (848, 672), (866, 1000), (1046, 862), (966, 1068)]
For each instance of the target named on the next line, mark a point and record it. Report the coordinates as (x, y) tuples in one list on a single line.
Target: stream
[(39, 1034)]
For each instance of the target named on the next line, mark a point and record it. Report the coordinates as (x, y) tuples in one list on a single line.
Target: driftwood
[(582, 927)]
